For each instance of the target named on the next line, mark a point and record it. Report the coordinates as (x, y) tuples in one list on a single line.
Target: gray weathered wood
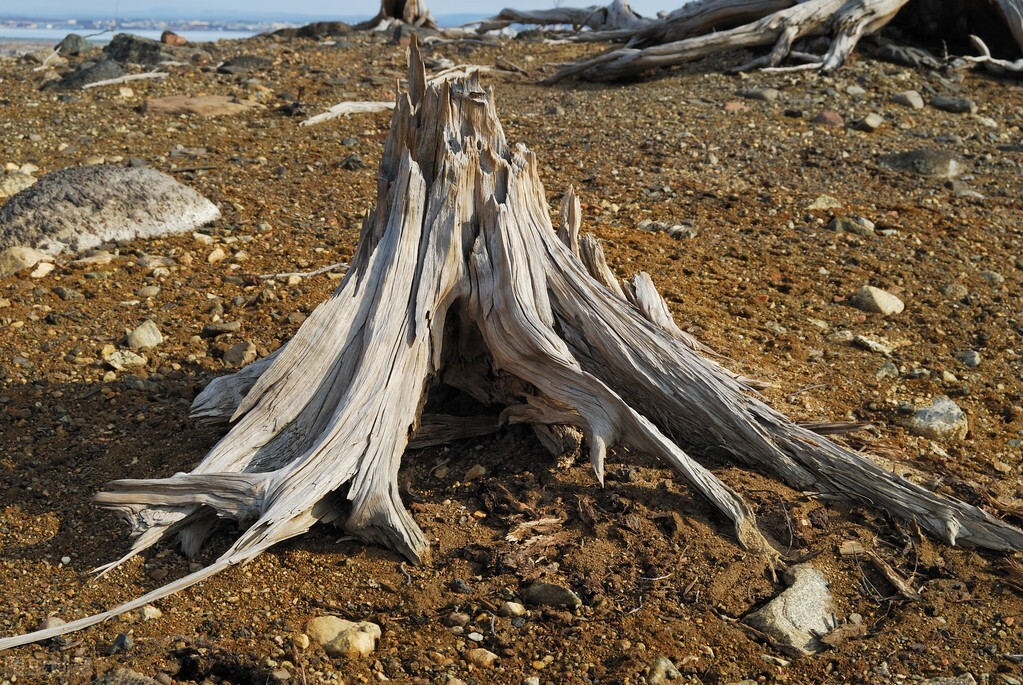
[(460, 278)]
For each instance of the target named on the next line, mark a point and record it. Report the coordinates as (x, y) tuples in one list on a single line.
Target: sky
[(318, 8)]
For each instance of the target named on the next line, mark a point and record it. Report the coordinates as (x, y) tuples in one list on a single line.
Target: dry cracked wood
[(706, 27), (413, 12), (460, 279)]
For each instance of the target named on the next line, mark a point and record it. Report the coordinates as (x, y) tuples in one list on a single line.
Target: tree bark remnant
[(460, 279)]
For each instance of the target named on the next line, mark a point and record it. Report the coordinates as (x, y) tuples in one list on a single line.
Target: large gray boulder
[(79, 208)]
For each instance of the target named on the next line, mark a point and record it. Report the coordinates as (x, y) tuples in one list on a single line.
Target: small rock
[(924, 162), (171, 38), (240, 354), (123, 359), (531, 680), (887, 370), (243, 64), (476, 636), (852, 224), (122, 643), (148, 291), (343, 638), (13, 183), (481, 658), (149, 613), (474, 472), (956, 105), (550, 594), (872, 345), (662, 671), (200, 105), (800, 615), (281, 675), (949, 377), (869, 123), (50, 622), (823, 202), (734, 106), (876, 301), (909, 98), (73, 45), (301, 641), (124, 676), (217, 255), (942, 420), (840, 337), (456, 618), (855, 91), (511, 609), (212, 330), (828, 118), (954, 291), (992, 276), (765, 94), (42, 269), (353, 162), (970, 357), (145, 336), (966, 679), (14, 259)]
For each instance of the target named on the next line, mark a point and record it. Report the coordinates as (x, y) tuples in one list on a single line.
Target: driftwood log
[(461, 280), (705, 27), (413, 12), (617, 16)]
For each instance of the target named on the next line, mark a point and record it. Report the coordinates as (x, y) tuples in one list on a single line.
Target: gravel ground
[(757, 271)]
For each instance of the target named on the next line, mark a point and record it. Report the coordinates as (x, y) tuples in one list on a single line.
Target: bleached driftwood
[(460, 279), (413, 12), (992, 63), (706, 27), (126, 79), (617, 16), (845, 20), (346, 108)]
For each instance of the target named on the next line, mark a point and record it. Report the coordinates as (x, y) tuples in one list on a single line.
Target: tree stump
[(461, 280), (412, 12)]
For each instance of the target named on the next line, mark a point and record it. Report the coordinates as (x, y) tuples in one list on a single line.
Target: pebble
[(122, 643), (872, 345), (855, 91), (887, 370), (822, 202), (341, 638), (14, 259), (475, 636), (148, 291), (956, 105), (852, 224), (217, 255), (145, 336), (662, 671), (456, 618), (120, 360), (149, 613), (301, 641), (840, 337), (765, 94), (970, 357), (924, 162), (876, 301), (992, 276), (531, 680), (550, 594), (481, 658), (212, 330), (909, 98), (734, 106), (828, 118), (124, 676), (954, 291), (50, 622), (800, 615), (240, 354), (511, 609), (869, 123), (942, 420), (474, 472)]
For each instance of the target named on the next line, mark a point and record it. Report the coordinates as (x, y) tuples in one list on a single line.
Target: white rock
[(942, 420), (481, 658), (123, 359), (876, 301), (42, 270), (240, 354), (344, 638), (145, 336), (149, 613), (511, 609), (14, 183), (800, 615), (909, 98)]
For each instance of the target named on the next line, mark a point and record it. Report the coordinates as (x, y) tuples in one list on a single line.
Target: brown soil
[(764, 283)]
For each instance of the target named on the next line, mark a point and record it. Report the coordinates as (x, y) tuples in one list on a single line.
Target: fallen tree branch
[(126, 79), (347, 108), (307, 274)]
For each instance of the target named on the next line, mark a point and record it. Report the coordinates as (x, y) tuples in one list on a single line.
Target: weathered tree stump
[(412, 12), (460, 279)]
